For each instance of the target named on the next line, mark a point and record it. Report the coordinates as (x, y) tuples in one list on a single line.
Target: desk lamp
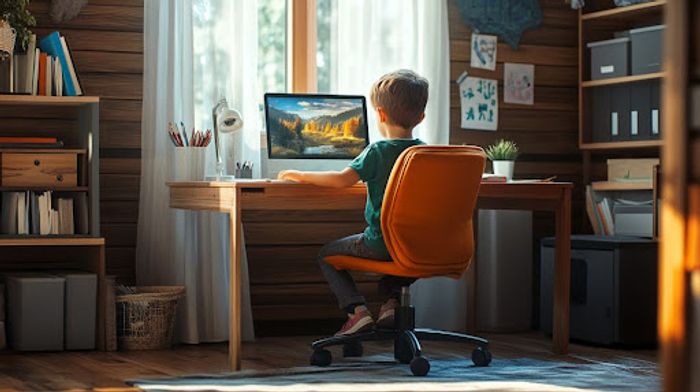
[(225, 120)]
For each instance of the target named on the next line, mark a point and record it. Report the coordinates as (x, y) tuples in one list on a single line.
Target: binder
[(601, 114), (640, 111), (655, 110), (619, 113)]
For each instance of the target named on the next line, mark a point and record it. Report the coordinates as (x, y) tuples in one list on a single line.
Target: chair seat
[(383, 267)]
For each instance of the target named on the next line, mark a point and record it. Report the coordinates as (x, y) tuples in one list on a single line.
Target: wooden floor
[(107, 371)]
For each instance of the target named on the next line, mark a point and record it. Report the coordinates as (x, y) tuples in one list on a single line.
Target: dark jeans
[(341, 281)]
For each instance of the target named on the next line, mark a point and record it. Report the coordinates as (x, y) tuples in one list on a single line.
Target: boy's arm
[(334, 179)]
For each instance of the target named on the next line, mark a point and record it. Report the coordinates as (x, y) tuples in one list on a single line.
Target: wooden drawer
[(39, 169)]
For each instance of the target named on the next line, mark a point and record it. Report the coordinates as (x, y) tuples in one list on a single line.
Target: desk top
[(266, 183)]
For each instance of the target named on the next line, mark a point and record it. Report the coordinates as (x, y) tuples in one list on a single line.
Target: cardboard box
[(632, 169)]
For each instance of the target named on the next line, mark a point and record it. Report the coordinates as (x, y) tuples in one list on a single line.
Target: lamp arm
[(220, 170)]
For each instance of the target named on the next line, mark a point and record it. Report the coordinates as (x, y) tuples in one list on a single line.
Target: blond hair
[(402, 95)]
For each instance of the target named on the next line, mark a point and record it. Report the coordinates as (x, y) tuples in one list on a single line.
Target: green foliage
[(502, 150), (16, 12)]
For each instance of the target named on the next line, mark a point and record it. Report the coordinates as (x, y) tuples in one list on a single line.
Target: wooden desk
[(233, 197)]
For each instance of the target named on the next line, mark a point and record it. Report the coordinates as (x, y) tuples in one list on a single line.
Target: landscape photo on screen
[(316, 127)]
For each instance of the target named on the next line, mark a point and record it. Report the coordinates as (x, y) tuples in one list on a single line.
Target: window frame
[(302, 33)]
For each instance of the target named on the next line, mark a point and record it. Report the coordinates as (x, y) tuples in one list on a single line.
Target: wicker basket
[(7, 38), (145, 319)]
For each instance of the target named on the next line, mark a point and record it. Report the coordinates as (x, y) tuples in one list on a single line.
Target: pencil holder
[(244, 173), (189, 163)]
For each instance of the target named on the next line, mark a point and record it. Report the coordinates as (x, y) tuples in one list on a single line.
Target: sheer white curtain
[(373, 38), (189, 63)]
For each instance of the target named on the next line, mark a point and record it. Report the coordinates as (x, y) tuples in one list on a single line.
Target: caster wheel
[(420, 366), (402, 352), (481, 356), (321, 358), (353, 349)]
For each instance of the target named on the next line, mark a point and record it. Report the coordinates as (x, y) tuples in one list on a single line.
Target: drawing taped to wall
[(519, 83), (483, 51), (479, 103)]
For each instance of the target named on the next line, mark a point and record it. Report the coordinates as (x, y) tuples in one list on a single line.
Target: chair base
[(407, 347)]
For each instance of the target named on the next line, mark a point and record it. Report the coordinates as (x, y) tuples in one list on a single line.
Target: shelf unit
[(598, 21), (51, 252)]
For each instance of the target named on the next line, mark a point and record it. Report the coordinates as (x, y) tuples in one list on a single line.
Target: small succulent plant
[(502, 150)]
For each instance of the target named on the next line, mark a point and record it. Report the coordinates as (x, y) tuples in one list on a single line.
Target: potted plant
[(502, 155), (15, 13)]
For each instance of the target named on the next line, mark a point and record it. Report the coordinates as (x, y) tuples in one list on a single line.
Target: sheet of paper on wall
[(479, 102), (484, 50), (519, 83)]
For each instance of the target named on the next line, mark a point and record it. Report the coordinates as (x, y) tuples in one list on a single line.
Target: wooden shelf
[(630, 11), (622, 79), (621, 145), (45, 150), (44, 188), (622, 186), (40, 100), (50, 241)]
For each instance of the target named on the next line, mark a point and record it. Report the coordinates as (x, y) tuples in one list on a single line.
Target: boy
[(399, 99)]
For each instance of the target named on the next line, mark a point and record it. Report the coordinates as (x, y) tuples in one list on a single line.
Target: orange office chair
[(427, 226)]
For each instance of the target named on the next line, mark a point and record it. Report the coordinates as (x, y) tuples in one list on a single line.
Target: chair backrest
[(428, 206)]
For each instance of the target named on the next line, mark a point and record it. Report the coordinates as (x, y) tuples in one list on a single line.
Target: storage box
[(609, 59), (613, 289), (632, 169), (634, 220), (600, 120), (39, 169), (80, 309), (35, 312), (646, 44)]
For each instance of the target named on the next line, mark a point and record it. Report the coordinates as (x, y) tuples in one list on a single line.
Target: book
[(35, 71), (22, 214), (73, 88), (8, 222), (80, 207), (65, 216), (591, 211), (29, 64), (27, 140), (49, 75), (45, 213), (57, 78), (603, 221), (487, 177), (41, 89)]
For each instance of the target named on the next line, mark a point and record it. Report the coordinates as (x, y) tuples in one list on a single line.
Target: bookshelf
[(65, 251)]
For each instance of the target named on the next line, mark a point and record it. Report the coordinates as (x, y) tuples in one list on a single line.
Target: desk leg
[(234, 333), (471, 279), (562, 275)]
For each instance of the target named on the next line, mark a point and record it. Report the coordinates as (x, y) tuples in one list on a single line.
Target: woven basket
[(7, 38), (145, 320)]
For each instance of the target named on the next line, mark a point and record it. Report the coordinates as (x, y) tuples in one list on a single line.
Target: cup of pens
[(244, 170), (190, 152)]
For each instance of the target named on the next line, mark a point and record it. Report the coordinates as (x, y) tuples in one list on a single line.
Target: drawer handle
[(37, 162), (59, 177)]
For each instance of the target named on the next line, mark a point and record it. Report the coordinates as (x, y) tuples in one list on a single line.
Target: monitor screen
[(315, 126)]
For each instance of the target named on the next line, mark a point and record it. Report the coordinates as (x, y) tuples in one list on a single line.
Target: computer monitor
[(314, 126)]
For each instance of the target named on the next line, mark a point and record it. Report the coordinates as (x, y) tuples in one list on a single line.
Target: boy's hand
[(290, 175)]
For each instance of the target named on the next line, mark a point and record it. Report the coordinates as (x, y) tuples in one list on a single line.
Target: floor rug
[(381, 373)]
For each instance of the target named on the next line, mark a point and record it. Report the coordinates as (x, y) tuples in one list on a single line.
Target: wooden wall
[(106, 40)]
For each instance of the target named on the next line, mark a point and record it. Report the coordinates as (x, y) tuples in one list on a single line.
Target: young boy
[(399, 99)]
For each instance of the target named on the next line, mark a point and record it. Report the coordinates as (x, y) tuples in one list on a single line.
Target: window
[(272, 46)]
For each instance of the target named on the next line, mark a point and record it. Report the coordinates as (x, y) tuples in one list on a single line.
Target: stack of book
[(610, 215), (29, 142), (46, 69), (40, 213)]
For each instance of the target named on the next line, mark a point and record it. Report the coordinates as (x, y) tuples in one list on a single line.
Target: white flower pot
[(504, 168)]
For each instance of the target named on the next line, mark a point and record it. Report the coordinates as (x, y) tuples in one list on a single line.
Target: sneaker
[(386, 313), (360, 321)]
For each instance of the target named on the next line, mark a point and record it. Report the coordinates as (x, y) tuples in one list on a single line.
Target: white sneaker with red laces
[(360, 321)]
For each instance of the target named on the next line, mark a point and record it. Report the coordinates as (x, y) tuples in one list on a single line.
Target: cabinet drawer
[(41, 169)]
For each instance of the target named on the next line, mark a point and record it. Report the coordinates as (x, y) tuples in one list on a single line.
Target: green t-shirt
[(374, 166)]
